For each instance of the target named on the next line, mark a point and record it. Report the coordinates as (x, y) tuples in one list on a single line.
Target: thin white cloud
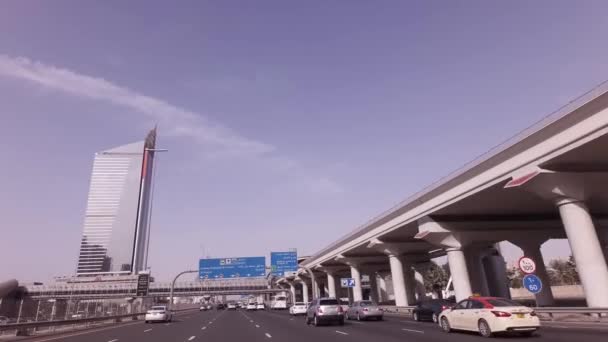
[(173, 119), (216, 139)]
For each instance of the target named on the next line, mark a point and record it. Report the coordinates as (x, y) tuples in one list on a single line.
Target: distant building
[(115, 237)]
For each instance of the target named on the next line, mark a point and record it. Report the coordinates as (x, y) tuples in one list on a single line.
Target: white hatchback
[(298, 308), (158, 314), (490, 315)]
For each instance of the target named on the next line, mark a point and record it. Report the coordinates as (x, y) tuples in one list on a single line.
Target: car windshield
[(328, 302), (299, 304), (503, 302), (366, 303)]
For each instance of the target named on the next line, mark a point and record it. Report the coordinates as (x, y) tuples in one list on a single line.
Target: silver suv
[(324, 310)]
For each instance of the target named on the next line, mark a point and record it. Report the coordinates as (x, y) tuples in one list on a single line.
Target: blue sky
[(288, 123)]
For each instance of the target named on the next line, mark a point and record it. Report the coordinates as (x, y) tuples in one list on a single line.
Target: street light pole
[(173, 286)]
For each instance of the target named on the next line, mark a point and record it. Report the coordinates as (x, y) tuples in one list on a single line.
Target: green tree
[(515, 277), (436, 277), (563, 272)]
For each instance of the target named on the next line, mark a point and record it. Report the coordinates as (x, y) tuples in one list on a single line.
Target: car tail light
[(533, 314), (444, 307), (365, 310), (501, 314)]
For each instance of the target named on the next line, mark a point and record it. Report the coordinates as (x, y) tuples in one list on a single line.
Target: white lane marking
[(203, 328), (268, 335), (114, 340), (412, 330), (148, 330), (341, 332), (251, 320), (191, 338), (355, 322), (257, 326)]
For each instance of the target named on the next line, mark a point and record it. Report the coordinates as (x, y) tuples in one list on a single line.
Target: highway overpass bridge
[(549, 181)]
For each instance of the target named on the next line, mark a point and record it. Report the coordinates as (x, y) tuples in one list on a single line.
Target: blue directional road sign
[(227, 268), (532, 283), (281, 262), (347, 282)]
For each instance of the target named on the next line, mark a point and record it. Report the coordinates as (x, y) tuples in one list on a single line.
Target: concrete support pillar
[(357, 290), (292, 289), (400, 286), (532, 250), (420, 288), (460, 274), (373, 286), (477, 275), (410, 283), (317, 286), (587, 251), (382, 290), (305, 292), (331, 285), (496, 272)]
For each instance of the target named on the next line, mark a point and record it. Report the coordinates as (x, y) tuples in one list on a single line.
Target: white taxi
[(158, 313), (490, 315)]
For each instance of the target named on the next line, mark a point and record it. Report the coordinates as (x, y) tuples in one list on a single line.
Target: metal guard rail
[(546, 312), (41, 324)]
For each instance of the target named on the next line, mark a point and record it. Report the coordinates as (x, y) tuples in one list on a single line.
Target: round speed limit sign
[(527, 265)]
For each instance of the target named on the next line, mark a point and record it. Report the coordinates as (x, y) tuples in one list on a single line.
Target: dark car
[(429, 310), (220, 306)]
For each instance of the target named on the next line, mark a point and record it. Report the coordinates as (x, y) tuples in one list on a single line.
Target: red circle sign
[(526, 265)]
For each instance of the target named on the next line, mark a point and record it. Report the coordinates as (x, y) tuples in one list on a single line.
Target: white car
[(490, 315), (260, 306), (203, 308), (298, 308), (158, 314), (231, 306), (251, 306)]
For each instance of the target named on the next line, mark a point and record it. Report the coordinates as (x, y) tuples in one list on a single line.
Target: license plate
[(521, 315)]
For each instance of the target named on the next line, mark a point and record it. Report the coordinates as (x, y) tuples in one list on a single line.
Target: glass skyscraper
[(115, 237)]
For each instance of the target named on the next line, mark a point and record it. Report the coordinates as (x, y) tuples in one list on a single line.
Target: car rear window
[(503, 302), (365, 303), (158, 308), (328, 302)]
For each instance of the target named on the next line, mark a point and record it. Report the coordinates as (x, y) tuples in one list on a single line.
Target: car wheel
[(315, 321), (416, 317), (435, 318), (484, 328), (527, 333), (341, 322), (380, 318), (445, 325), (146, 322)]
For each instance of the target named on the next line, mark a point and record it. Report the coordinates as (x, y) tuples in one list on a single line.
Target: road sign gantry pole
[(173, 286)]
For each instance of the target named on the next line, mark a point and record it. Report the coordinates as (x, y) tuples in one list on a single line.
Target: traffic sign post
[(526, 265), (532, 283)]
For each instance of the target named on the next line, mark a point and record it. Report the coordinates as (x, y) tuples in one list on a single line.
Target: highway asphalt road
[(268, 326)]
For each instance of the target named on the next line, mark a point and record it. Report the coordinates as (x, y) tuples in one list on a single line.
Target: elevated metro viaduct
[(550, 181)]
